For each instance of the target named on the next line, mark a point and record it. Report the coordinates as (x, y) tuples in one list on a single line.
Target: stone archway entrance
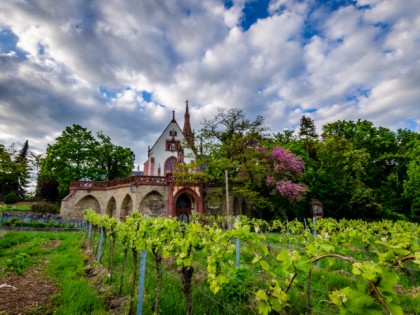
[(183, 207)]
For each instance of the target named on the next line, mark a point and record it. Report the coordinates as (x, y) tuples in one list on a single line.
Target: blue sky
[(121, 67)]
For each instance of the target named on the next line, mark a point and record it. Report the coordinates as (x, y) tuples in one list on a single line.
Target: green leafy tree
[(14, 168), (78, 155), (115, 161), (264, 176), (389, 156), (230, 143), (412, 183), (337, 181), (6, 167), (71, 157)]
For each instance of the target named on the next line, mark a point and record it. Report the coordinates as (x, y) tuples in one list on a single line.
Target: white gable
[(164, 148)]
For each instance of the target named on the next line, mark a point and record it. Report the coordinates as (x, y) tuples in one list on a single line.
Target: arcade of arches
[(151, 198)]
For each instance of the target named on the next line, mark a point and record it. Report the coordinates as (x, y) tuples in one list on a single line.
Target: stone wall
[(152, 200), (118, 202)]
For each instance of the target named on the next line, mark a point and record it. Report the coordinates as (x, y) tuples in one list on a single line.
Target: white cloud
[(360, 63)]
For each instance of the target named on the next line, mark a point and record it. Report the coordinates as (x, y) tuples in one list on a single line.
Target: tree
[(387, 164), (116, 161), (78, 155), (412, 183), (337, 181), (22, 167), (14, 168), (307, 128), (6, 167), (36, 161), (47, 189), (283, 169), (307, 133), (229, 143), (232, 142)]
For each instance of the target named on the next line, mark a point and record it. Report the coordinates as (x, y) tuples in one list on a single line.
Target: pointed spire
[(188, 134), (173, 115)]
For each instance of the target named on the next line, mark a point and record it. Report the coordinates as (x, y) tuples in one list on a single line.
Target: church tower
[(188, 134)]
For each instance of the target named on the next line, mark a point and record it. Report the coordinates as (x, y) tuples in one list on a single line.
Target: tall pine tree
[(307, 131), (307, 128), (22, 168)]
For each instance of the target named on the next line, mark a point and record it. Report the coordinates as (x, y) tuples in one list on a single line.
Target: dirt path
[(29, 293)]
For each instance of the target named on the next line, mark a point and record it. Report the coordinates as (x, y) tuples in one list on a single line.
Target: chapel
[(155, 192)]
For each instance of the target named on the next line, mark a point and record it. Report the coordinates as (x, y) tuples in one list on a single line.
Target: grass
[(238, 296), (77, 296), (19, 206), (66, 267)]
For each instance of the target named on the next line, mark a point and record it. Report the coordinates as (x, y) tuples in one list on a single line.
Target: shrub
[(44, 206), (48, 189), (14, 221), (11, 198), (19, 262)]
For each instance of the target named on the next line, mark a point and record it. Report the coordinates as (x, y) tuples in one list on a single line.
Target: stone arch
[(170, 164), (126, 207), (236, 207), (214, 203), (183, 207), (111, 207), (153, 205), (87, 202), (186, 201)]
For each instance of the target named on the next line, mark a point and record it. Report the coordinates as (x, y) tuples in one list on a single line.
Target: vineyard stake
[(98, 257), (238, 246), (314, 220), (141, 282), (90, 230), (227, 193)]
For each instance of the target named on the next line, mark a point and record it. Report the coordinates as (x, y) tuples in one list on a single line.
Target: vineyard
[(249, 266)]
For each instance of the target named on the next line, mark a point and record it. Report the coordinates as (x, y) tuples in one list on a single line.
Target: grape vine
[(375, 252)]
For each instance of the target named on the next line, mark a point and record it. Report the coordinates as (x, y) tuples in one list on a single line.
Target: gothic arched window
[(170, 164)]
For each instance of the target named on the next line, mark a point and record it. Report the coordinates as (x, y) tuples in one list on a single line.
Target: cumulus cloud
[(121, 67)]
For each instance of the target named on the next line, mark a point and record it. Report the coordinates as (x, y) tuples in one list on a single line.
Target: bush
[(19, 262), (44, 206), (11, 198)]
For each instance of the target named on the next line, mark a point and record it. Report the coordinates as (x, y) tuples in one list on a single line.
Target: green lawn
[(63, 264)]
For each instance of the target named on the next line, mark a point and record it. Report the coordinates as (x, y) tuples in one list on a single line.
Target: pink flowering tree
[(284, 169)]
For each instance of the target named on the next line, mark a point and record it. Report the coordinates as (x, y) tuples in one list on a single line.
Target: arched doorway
[(183, 207), (111, 207), (126, 207), (153, 205), (87, 202)]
